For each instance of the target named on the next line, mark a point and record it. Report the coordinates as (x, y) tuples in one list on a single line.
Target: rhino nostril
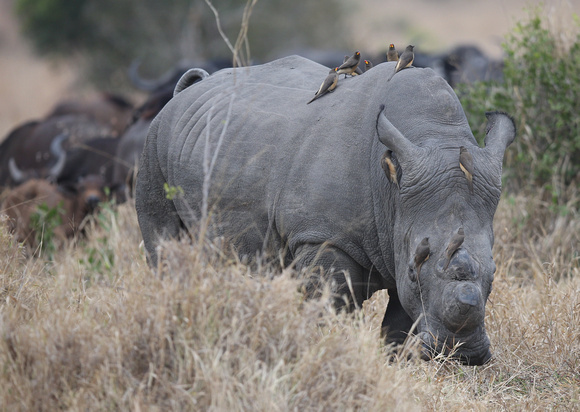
[(468, 295)]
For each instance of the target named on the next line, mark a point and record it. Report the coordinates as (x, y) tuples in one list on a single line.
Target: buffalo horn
[(57, 150), (17, 175)]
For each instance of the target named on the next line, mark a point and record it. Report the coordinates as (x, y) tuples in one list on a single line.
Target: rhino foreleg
[(396, 323), (323, 264)]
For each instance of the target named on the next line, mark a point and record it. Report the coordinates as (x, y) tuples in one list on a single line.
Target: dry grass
[(96, 329)]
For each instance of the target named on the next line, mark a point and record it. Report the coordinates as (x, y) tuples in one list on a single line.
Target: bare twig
[(242, 40)]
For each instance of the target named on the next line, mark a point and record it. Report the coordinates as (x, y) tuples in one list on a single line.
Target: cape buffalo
[(271, 172), (108, 109), (74, 203), (31, 145)]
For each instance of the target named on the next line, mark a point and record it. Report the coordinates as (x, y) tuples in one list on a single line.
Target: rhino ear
[(189, 77), (500, 133), (391, 137)]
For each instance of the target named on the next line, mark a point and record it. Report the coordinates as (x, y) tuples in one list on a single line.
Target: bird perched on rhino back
[(357, 71), (328, 85), (392, 55), (350, 65), (368, 65), (405, 60)]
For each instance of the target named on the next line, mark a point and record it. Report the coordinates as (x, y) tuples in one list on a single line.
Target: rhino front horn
[(463, 307), (407, 152)]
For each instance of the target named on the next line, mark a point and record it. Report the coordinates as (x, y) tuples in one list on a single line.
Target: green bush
[(43, 222), (541, 90)]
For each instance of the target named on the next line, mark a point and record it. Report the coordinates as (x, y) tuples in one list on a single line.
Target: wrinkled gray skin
[(307, 179)]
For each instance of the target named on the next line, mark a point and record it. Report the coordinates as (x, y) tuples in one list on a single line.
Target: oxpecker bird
[(392, 55), (406, 60), (466, 164), (350, 65), (328, 85), (368, 65), (357, 71), (454, 244), (389, 167), (421, 255)]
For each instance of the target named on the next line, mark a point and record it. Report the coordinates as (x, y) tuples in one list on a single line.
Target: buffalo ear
[(407, 153), (500, 132)]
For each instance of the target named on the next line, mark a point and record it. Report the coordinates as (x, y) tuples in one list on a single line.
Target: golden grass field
[(93, 328)]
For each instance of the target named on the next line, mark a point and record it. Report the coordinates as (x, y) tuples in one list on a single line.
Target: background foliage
[(541, 90), (108, 34)]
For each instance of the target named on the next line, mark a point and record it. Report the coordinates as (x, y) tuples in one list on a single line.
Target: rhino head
[(446, 298)]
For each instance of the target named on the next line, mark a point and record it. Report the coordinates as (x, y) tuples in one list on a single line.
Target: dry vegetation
[(95, 329)]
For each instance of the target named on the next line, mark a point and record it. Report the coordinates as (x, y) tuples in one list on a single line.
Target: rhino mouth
[(471, 350)]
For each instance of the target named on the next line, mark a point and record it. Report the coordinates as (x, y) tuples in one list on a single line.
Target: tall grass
[(208, 333)]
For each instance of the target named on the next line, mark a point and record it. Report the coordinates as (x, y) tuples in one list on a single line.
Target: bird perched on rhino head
[(466, 165), (328, 85), (422, 253), (389, 167), (350, 65), (405, 60), (392, 55), (454, 244)]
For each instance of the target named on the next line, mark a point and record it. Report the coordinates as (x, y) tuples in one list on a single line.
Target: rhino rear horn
[(407, 152), (500, 132)]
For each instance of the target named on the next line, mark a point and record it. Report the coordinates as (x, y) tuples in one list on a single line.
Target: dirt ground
[(30, 86)]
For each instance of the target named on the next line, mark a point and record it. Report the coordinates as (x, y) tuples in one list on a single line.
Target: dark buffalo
[(29, 146), (73, 203), (270, 173), (110, 110), (94, 157)]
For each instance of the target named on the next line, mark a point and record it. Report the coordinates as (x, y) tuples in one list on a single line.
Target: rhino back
[(292, 171)]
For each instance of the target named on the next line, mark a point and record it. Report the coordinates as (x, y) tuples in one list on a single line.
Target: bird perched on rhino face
[(350, 65), (421, 256), (454, 244), (328, 85), (389, 167), (466, 165), (392, 55)]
